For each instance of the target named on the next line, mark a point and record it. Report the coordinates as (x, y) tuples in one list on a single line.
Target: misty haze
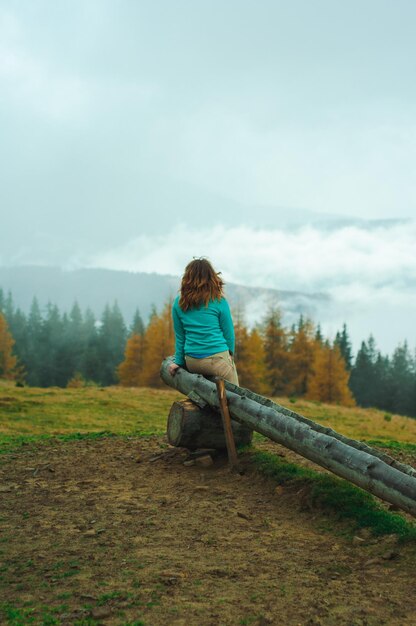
[(135, 143), (207, 313)]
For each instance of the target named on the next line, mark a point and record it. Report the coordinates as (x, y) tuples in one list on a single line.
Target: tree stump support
[(192, 427)]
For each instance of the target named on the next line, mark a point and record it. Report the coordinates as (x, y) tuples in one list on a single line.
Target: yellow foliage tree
[(329, 380), (303, 346), (130, 370), (275, 341), (159, 342), (8, 362), (250, 360)]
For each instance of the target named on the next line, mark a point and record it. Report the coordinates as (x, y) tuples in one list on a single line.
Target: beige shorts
[(219, 364)]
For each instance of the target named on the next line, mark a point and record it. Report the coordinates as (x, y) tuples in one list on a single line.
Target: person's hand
[(172, 369)]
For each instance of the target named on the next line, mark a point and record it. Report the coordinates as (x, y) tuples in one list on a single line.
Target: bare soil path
[(107, 531)]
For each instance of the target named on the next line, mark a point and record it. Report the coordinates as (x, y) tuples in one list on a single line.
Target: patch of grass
[(337, 496), (251, 619), (9, 444), (106, 597), (356, 422), (393, 445), (14, 616), (65, 595), (55, 411), (15, 442)]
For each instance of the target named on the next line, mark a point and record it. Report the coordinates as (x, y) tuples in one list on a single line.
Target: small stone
[(365, 533), (279, 490), (171, 578), (242, 515), (390, 540), (201, 488), (393, 507), (189, 463), (139, 459), (390, 555), (358, 541), (90, 533), (204, 461), (100, 612), (264, 620), (375, 561)]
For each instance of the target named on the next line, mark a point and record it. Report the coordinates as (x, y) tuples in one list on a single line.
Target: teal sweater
[(202, 331)]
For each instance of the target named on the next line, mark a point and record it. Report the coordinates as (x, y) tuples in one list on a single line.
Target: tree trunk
[(191, 427), (360, 464)]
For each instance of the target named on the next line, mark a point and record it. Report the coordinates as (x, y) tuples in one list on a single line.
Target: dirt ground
[(119, 531)]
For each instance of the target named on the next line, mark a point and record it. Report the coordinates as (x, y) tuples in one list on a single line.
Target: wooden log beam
[(360, 464)]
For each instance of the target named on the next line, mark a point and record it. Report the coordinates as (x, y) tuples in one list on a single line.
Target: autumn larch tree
[(303, 346), (276, 353), (329, 380), (159, 342), (130, 371), (249, 356), (8, 361)]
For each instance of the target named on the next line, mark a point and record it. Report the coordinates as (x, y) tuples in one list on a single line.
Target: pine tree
[(137, 326), (34, 344), (342, 340), (111, 343), (318, 335), (402, 376), (75, 341), (329, 381), (90, 366), (383, 385), (363, 380), (8, 308), (52, 357), (8, 361)]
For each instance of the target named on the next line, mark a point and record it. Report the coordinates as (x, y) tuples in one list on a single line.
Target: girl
[(204, 331)]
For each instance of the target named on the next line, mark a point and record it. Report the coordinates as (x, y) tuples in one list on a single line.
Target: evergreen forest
[(49, 348)]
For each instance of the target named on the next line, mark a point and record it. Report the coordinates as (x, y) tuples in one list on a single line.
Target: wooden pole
[(226, 421), (362, 465)]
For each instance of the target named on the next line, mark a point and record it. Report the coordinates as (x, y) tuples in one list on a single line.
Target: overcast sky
[(117, 115), (135, 133)]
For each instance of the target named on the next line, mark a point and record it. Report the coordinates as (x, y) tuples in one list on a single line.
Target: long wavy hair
[(200, 284)]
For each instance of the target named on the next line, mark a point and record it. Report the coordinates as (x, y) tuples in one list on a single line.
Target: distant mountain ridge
[(94, 288)]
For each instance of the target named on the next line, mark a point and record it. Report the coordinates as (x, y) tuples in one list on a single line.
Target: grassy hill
[(32, 411), (103, 523)]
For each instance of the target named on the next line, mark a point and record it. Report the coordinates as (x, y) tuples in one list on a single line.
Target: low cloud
[(370, 273), (346, 262)]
